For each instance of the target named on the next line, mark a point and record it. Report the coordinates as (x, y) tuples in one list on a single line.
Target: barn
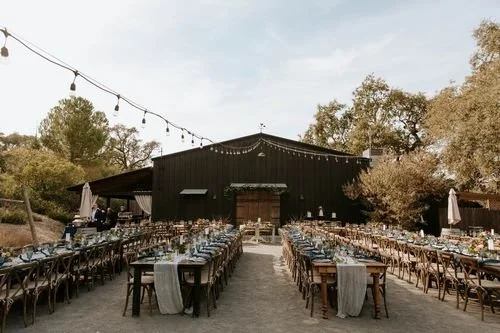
[(247, 178), (257, 176)]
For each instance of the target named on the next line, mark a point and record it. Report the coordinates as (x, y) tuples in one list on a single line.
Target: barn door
[(251, 205)]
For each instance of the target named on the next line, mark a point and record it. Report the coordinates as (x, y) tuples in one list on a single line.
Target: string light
[(182, 136), (4, 52), (144, 120), (192, 140), (72, 86), (167, 130), (117, 106), (201, 143), (54, 60)]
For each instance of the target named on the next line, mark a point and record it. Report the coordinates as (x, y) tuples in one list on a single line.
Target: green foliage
[(46, 175), (397, 190), (13, 215), (75, 131), (380, 116), (126, 151), (463, 121)]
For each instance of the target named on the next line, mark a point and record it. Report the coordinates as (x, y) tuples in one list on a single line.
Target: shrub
[(13, 216)]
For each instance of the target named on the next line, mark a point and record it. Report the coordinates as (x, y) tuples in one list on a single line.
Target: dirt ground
[(19, 235), (261, 297)]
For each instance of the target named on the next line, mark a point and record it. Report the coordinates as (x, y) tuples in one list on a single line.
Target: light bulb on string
[(211, 148), (346, 160), (201, 143), (182, 136), (144, 120), (4, 52), (72, 86), (117, 106), (192, 140)]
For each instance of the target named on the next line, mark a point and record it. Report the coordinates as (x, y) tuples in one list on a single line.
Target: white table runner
[(351, 289), (167, 286)]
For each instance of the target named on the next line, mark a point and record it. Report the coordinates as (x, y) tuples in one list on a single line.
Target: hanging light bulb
[(192, 139), (4, 52), (201, 143), (72, 86), (211, 148), (144, 120), (117, 106), (167, 130), (346, 160), (182, 136)]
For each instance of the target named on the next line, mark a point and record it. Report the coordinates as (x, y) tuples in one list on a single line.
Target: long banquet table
[(375, 269)]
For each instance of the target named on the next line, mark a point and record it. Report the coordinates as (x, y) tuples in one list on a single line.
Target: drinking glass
[(29, 253)]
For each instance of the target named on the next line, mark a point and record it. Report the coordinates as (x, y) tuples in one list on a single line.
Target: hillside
[(19, 235)]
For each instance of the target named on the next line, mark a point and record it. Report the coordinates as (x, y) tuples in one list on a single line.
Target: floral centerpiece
[(5, 256)]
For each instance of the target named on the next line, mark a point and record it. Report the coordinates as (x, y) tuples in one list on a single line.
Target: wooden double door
[(251, 205)]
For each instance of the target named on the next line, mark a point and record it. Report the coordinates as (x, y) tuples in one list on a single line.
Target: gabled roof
[(122, 185), (250, 139)]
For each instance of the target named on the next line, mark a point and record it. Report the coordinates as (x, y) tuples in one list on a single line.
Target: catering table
[(375, 269), (142, 265)]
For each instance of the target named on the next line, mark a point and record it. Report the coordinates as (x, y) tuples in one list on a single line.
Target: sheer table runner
[(351, 286), (167, 286)]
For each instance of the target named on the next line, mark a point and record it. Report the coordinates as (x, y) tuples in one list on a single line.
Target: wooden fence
[(472, 217)]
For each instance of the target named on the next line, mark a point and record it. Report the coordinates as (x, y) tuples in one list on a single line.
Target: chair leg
[(129, 291), (150, 297), (466, 297), (382, 290), (311, 290)]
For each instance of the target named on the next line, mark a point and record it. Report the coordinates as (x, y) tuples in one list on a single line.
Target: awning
[(278, 186), (194, 191)]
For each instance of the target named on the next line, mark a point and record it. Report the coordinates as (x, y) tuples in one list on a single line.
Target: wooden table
[(183, 266), (372, 268)]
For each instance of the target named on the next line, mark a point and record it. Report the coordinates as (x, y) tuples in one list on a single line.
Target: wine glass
[(29, 253)]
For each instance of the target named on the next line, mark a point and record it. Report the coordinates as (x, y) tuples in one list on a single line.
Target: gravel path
[(261, 297)]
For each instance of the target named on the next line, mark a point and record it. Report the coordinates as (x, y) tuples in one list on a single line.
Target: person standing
[(97, 217)]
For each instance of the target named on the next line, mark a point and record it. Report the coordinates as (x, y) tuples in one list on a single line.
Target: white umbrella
[(86, 202), (453, 212)]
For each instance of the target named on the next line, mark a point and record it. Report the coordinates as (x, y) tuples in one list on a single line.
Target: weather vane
[(261, 126)]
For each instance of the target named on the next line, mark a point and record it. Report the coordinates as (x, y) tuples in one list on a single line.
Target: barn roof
[(254, 138), (122, 185)]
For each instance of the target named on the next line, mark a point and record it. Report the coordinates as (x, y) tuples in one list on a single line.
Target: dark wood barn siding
[(317, 180)]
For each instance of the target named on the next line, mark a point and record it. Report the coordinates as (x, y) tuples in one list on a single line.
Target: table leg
[(136, 293), (197, 291), (324, 302), (376, 295)]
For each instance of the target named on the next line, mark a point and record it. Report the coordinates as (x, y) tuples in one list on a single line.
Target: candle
[(258, 219), (491, 245), (334, 215), (383, 227), (207, 230), (181, 240), (421, 233), (68, 237), (309, 214), (492, 232)]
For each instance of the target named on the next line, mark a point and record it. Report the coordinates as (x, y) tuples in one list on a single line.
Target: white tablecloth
[(167, 286), (351, 289)]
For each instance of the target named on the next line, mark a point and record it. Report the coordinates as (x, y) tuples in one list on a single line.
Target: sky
[(221, 67)]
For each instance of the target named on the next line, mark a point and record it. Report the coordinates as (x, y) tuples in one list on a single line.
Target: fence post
[(30, 215)]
